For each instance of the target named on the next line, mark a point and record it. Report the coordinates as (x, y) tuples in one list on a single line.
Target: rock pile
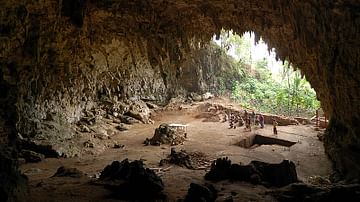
[(172, 134), (256, 172), (131, 181), (190, 160)]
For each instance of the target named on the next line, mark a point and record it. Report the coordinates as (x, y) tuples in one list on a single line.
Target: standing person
[(225, 117), (257, 122), (253, 117), (274, 127), (231, 121), (261, 121), (248, 123), (245, 114), (241, 121)]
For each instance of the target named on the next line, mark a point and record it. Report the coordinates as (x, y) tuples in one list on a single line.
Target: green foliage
[(291, 95)]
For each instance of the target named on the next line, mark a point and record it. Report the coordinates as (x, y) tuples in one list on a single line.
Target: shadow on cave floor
[(214, 139)]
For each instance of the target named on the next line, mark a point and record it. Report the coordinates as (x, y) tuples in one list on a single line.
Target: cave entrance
[(255, 78)]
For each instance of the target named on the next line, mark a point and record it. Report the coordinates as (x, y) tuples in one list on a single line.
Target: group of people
[(248, 120), (234, 120)]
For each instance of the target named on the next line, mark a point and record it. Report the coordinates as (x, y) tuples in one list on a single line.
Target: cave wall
[(59, 69), (59, 56), (208, 69)]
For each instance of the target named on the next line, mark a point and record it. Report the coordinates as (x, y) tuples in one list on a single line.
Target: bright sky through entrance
[(258, 52)]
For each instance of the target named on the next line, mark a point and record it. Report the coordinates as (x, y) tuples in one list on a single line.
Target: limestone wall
[(60, 56)]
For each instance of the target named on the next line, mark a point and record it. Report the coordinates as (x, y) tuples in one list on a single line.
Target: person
[(245, 114), (225, 117), (261, 120), (231, 121), (248, 123), (274, 127), (241, 121), (253, 117), (257, 122)]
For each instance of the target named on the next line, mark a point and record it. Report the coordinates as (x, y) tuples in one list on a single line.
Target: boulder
[(132, 181), (197, 192), (121, 127), (128, 119), (196, 97), (31, 156), (207, 96), (68, 172), (140, 111), (219, 170), (256, 172), (172, 134)]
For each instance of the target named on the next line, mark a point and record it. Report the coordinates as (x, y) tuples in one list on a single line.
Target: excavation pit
[(258, 140)]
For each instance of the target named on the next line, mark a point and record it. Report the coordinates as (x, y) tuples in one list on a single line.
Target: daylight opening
[(259, 80)]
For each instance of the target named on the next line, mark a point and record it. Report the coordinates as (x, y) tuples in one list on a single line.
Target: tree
[(291, 95)]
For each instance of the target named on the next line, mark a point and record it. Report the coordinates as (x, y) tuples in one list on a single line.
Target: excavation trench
[(258, 140)]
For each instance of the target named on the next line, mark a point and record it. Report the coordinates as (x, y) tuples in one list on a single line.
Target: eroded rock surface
[(59, 58)]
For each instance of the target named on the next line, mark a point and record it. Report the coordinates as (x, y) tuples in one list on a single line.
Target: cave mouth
[(58, 57), (256, 77), (257, 140)]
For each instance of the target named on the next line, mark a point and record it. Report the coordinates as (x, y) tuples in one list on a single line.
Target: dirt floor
[(212, 138)]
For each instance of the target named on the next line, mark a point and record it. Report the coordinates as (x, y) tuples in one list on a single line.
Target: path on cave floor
[(212, 138)]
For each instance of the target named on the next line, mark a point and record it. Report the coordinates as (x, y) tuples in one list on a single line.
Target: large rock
[(68, 172), (128, 119), (13, 185), (47, 150), (197, 192), (140, 111), (31, 156), (132, 181), (256, 172), (172, 134)]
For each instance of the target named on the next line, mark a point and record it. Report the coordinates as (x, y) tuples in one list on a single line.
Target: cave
[(59, 58)]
